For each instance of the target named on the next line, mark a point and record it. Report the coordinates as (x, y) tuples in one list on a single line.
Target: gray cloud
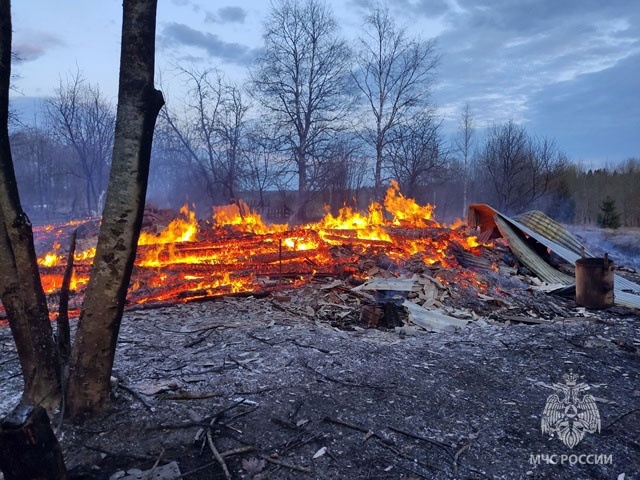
[(227, 15), (598, 113), (428, 8), (567, 69), (178, 34), (362, 5), (502, 53), (407, 7), (37, 45)]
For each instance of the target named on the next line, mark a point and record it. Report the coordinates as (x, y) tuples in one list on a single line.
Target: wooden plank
[(523, 319)]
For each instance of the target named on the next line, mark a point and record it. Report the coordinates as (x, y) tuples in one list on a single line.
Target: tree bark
[(20, 288), (138, 106), (379, 158)]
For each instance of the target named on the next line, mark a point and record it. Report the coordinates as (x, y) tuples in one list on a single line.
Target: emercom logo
[(570, 413)]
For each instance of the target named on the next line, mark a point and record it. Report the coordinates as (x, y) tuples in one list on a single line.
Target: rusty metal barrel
[(594, 282)]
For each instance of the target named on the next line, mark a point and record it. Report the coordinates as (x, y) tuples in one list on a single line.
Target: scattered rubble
[(288, 387), (409, 370), (531, 233)]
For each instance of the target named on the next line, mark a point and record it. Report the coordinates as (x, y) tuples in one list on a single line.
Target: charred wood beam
[(28, 446)]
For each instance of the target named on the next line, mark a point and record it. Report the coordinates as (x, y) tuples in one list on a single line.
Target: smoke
[(622, 246)]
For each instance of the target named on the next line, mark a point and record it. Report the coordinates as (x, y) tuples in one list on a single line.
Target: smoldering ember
[(379, 344)]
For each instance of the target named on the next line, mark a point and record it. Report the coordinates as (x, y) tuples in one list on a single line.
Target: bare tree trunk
[(464, 145), (299, 214), (138, 106), (379, 158), (20, 287)]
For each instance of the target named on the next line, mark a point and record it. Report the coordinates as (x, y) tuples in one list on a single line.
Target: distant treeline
[(58, 183), (62, 168), (334, 130), (586, 190)]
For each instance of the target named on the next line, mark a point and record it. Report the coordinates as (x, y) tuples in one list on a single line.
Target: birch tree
[(395, 74), (301, 82), (20, 287)]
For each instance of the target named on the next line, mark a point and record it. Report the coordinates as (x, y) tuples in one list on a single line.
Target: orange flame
[(226, 256), (179, 230), (406, 210), (246, 220), (367, 227)]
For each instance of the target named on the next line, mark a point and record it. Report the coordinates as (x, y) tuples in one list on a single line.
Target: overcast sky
[(566, 69)]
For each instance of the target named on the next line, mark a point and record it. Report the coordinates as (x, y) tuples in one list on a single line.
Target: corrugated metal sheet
[(542, 224), (530, 258), (556, 238)]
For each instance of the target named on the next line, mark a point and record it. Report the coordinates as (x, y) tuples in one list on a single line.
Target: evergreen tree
[(608, 216)]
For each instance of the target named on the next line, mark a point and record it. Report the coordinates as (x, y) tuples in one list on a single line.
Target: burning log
[(236, 252)]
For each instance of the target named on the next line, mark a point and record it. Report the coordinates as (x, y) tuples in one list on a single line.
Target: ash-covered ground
[(294, 385), (286, 395)]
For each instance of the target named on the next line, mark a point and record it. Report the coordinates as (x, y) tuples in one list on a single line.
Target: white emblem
[(572, 414)]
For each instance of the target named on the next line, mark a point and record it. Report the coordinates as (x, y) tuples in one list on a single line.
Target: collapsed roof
[(527, 232)]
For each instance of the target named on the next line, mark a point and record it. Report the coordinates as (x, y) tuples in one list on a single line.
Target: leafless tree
[(546, 162), (504, 161), (82, 118), (232, 132), (139, 102), (172, 179), (343, 172), (267, 164), (464, 146), (20, 288), (518, 168), (417, 157), (395, 74), (39, 163), (301, 81), (211, 130)]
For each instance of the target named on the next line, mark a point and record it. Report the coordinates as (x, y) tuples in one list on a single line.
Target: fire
[(367, 227), (49, 260), (85, 256), (236, 251), (241, 216), (406, 210), (472, 241), (179, 230), (300, 243)]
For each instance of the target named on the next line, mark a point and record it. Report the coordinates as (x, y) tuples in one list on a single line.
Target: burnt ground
[(275, 385), (279, 380)]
